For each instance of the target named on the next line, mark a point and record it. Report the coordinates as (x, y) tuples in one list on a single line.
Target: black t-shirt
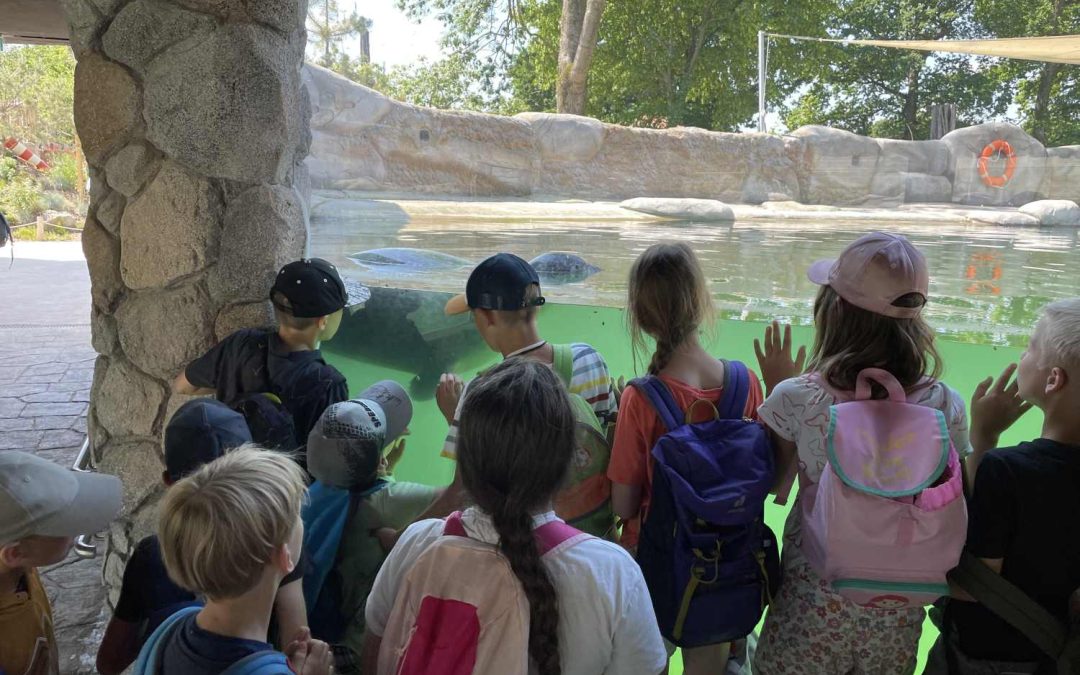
[(252, 361), (149, 595), (1025, 509), (194, 651)]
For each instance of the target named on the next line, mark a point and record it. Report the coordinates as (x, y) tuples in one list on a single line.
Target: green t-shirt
[(395, 506)]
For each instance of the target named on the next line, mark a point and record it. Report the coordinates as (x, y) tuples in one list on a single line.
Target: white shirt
[(606, 619)]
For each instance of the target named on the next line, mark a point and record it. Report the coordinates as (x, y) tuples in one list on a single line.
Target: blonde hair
[(1058, 333), (512, 317), (220, 526), (848, 339), (668, 299)]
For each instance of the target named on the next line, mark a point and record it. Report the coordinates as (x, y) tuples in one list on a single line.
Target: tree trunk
[(1047, 75), (578, 29), (911, 100)]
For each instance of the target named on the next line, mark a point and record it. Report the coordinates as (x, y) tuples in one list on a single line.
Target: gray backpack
[(1060, 642)]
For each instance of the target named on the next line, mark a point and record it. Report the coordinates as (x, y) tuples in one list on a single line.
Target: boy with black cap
[(503, 294), (199, 432), (43, 507), (309, 297), (345, 455)]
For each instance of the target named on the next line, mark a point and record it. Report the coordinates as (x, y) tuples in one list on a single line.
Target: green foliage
[(37, 94), (21, 199), (63, 171)]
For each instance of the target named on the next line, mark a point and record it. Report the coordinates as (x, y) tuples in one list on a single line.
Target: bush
[(21, 199), (64, 173)]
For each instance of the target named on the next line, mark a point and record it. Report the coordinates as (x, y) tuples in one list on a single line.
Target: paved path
[(46, 367)]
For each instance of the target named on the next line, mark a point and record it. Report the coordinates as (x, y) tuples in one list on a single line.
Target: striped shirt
[(591, 381)]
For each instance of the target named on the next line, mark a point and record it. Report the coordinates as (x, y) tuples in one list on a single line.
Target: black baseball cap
[(314, 289), (199, 432), (500, 283)]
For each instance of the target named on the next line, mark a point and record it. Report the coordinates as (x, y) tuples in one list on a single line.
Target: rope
[(49, 223)]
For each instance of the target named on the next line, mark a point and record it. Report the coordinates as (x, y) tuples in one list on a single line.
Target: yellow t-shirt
[(28, 646)]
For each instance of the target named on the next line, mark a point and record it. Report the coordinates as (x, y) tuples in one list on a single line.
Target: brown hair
[(282, 310), (220, 526), (668, 299), (849, 339), (515, 445)]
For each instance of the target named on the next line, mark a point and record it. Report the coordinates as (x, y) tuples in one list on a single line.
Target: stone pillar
[(194, 123)]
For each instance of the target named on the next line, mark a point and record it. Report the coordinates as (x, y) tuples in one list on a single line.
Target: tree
[(37, 95), (886, 92), (328, 26), (579, 24), (659, 62), (1048, 94), (492, 32)]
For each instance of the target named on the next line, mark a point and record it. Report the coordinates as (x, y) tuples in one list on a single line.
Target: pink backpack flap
[(887, 520), (461, 609)]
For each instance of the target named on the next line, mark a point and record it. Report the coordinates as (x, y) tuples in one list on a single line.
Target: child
[(231, 532), (1023, 520), (199, 432), (43, 507), (503, 294), (345, 451), (587, 607), (868, 313), (669, 300), (309, 298)]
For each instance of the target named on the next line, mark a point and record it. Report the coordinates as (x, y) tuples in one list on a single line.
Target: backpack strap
[(563, 363), (1011, 604), (549, 536), (261, 663), (658, 394), (150, 655), (732, 403)]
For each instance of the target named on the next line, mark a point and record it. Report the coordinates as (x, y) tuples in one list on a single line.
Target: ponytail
[(515, 444)]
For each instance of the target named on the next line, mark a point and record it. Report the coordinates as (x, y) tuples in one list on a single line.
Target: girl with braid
[(589, 610), (668, 300)]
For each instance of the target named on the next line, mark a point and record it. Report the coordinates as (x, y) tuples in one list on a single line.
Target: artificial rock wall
[(363, 140), (194, 122)]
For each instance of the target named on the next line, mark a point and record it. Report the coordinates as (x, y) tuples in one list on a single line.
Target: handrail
[(84, 544)]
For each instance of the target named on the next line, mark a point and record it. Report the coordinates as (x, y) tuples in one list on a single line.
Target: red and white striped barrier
[(25, 154)]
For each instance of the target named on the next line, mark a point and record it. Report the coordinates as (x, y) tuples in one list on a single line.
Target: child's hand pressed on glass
[(995, 406), (447, 395), (774, 361)]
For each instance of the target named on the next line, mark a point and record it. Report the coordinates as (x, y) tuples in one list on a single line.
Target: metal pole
[(761, 80)]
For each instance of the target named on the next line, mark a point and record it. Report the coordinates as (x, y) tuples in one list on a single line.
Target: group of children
[(317, 561)]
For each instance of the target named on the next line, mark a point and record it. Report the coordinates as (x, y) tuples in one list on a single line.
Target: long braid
[(518, 544), (513, 459)]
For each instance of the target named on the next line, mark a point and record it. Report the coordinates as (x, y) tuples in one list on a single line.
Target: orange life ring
[(1001, 147)]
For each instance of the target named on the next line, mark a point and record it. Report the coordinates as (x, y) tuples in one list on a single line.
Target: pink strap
[(549, 536), (882, 377)]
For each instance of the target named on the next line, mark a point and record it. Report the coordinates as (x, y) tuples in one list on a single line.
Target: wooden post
[(40, 228)]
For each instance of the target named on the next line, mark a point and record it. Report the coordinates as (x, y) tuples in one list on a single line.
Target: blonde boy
[(230, 532), (1024, 511)]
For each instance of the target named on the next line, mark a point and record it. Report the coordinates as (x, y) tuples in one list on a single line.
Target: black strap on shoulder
[(1011, 604)]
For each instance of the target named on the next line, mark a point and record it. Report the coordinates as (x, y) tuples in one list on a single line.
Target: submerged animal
[(559, 267), (408, 260)]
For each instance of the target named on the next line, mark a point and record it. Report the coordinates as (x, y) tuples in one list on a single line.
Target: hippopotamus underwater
[(555, 268), (559, 267)]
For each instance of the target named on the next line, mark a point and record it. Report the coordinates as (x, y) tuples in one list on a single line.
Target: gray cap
[(345, 447), (40, 498)]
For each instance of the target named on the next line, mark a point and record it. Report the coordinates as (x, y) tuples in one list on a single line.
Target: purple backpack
[(887, 520), (709, 560)]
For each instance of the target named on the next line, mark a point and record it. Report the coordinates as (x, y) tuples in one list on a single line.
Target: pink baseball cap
[(874, 271)]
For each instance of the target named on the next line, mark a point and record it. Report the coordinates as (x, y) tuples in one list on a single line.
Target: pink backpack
[(461, 610), (887, 520)]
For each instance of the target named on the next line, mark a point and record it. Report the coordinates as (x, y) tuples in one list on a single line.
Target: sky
[(395, 39)]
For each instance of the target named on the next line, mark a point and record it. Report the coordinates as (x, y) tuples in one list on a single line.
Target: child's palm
[(775, 360), (996, 405)]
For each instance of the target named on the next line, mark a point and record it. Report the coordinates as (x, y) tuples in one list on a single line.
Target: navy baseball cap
[(314, 289), (501, 283), (199, 432)]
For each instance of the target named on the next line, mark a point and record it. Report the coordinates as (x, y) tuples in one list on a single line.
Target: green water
[(367, 344)]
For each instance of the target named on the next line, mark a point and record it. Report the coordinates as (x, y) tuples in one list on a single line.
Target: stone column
[(194, 123)]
